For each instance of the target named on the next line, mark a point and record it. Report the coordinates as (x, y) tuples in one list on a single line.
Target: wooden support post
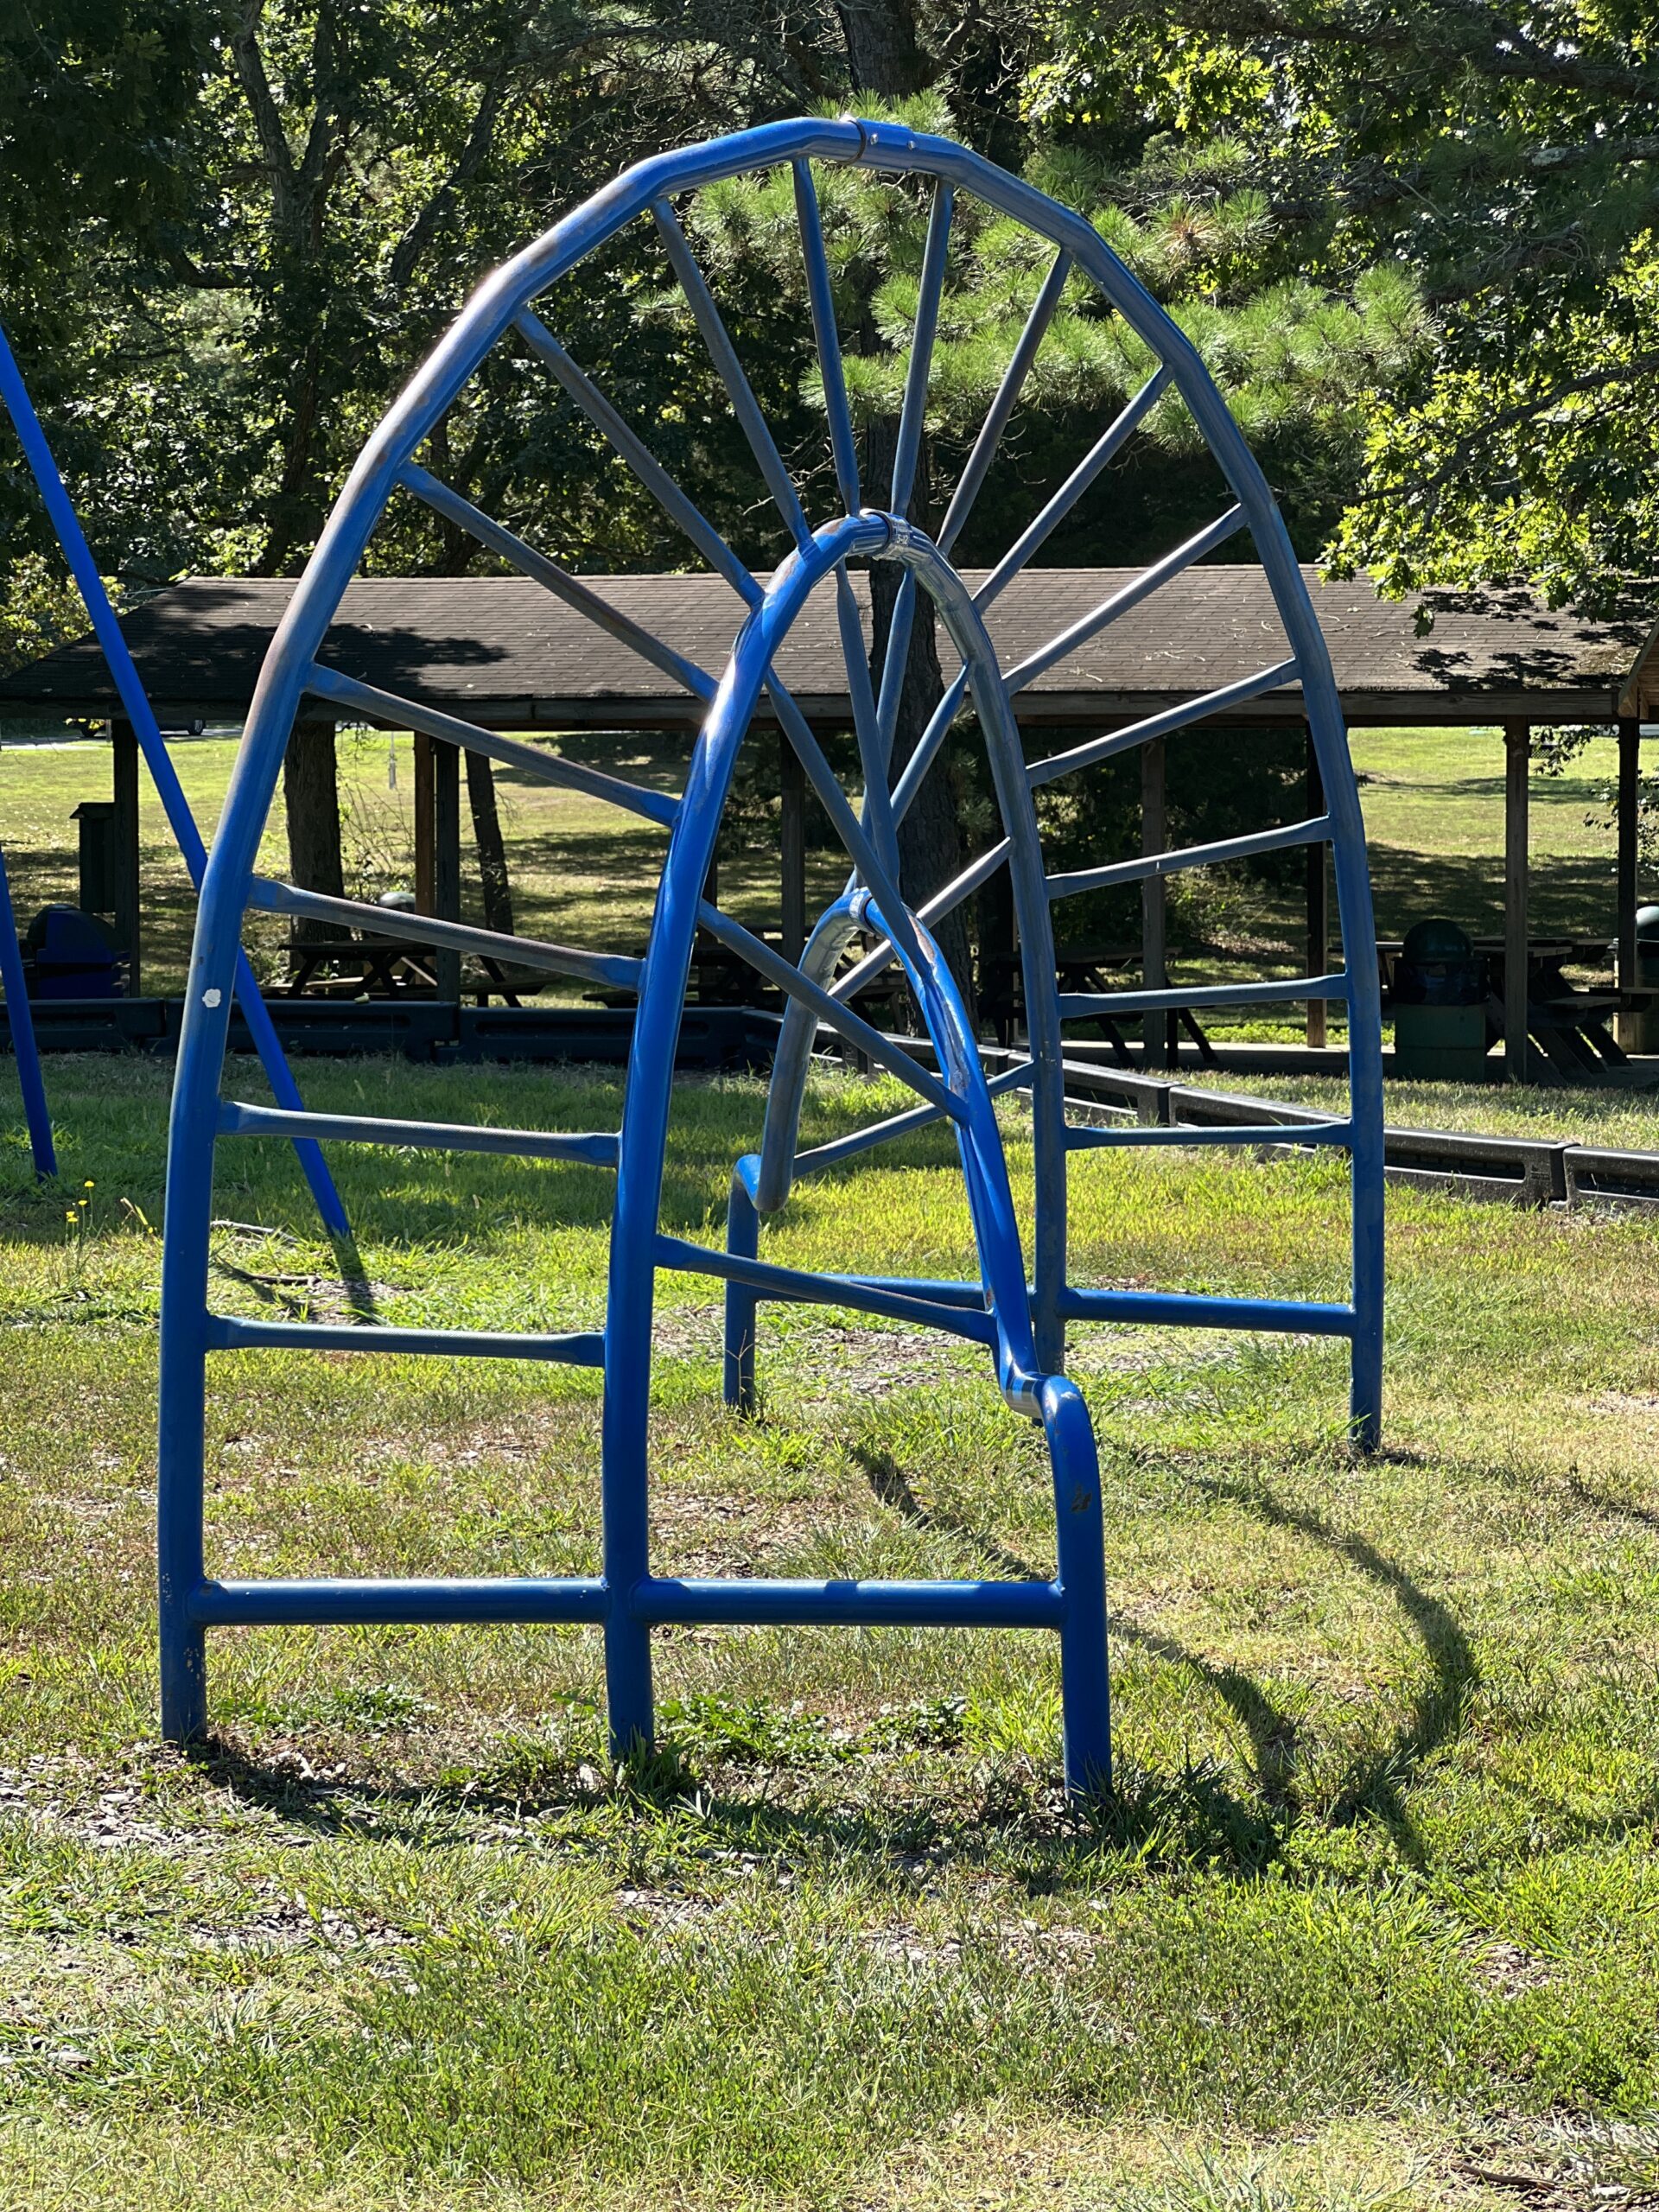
[(124, 791), (425, 847), (791, 848), (1318, 901), (1517, 747), (1155, 905), (1628, 895), (445, 858)]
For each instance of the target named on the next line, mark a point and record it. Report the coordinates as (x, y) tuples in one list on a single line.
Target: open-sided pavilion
[(505, 655)]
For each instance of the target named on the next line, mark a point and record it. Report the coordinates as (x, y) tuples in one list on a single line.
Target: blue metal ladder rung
[(1049, 520), (1317, 829), (828, 1009), (958, 1308), (898, 1125), (658, 1599), (591, 1148), (1089, 1006), (1193, 1310), (1127, 596), (432, 490), (633, 449), (229, 1333), (393, 711), (1080, 1137), (1164, 724), (618, 969), (977, 466)]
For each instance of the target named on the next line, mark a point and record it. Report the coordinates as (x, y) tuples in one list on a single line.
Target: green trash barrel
[(1440, 1005), (1643, 1023)]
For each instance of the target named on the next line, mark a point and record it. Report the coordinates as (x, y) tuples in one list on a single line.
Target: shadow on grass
[(1377, 1783), (916, 1795), (891, 1486)]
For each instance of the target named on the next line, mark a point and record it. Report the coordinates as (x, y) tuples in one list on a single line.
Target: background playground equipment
[(14, 394), (1021, 1323)]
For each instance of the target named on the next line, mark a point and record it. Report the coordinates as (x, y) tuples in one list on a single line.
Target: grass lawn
[(1373, 1919)]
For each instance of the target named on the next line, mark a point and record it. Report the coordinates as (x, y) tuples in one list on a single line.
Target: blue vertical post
[(1079, 1526), (24, 1049), (743, 1241)]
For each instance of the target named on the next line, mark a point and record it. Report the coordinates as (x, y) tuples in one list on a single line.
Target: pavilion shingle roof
[(500, 650)]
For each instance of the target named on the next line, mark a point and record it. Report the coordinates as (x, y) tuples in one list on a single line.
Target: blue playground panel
[(1020, 1318)]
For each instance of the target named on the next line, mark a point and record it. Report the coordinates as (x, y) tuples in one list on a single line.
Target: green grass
[(1373, 1917)]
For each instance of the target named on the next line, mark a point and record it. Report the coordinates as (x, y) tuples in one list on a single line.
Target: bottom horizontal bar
[(1081, 1137), (249, 1604), (228, 1332), (754, 1604), (850, 1604), (1188, 1310)]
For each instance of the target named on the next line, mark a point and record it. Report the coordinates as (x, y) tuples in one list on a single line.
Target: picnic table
[(378, 967)]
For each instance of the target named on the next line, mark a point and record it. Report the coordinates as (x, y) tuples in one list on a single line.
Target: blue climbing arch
[(1020, 1308)]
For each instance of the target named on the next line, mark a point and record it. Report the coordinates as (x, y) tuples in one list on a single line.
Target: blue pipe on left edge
[(35, 1115), (135, 705)]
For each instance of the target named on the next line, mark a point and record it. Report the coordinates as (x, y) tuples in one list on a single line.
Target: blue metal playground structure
[(1020, 1317), (14, 395)]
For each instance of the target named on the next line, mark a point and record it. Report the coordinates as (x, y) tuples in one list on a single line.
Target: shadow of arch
[(1377, 1782)]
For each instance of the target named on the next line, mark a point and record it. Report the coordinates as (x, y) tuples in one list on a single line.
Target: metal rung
[(1188, 1310), (859, 1033), (548, 573), (591, 1149), (1074, 485), (227, 1332), (915, 769), (387, 707), (1003, 406), (793, 1286), (638, 456), (723, 354), (843, 444), (919, 1118), (1083, 1138), (849, 1603), (1080, 1007), (1313, 832), (913, 407), (1160, 725), (881, 954), (332, 1603), (1131, 594), (613, 968)]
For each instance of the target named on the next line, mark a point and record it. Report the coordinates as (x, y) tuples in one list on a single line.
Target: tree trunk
[(930, 839), (311, 800), (491, 851), (884, 55)]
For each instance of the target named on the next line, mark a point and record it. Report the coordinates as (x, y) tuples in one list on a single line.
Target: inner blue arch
[(1018, 1313)]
